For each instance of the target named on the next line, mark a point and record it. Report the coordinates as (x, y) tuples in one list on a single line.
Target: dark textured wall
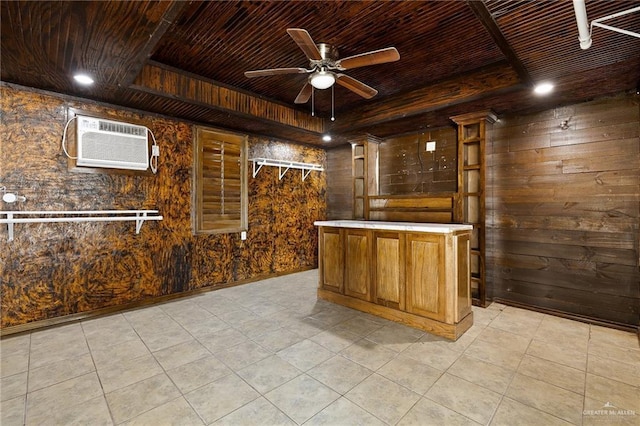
[(51, 269)]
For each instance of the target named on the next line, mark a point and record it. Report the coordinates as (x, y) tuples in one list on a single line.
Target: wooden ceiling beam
[(446, 93), (162, 80), (486, 19), (142, 55)]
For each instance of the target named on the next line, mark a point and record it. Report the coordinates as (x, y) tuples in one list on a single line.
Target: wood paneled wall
[(407, 168), (435, 208), (339, 183), (51, 270), (563, 205)]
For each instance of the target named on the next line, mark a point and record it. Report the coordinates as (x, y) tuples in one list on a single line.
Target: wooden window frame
[(200, 226)]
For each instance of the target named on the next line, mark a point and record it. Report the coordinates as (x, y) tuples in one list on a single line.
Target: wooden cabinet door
[(426, 276), (389, 269), (331, 259), (357, 274)]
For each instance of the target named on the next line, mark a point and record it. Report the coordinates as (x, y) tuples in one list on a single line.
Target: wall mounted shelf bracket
[(283, 166), (139, 216)]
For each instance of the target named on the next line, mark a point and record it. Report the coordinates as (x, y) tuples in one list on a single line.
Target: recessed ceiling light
[(326, 138), (543, 88), (83, 79)]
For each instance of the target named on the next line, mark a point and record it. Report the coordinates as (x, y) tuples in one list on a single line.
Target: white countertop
[(438, 228)]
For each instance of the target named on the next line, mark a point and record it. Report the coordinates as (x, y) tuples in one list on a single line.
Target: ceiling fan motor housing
[(329, 55)]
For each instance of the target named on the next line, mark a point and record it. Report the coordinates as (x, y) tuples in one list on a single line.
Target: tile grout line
[(586, 375), (463, 353), (26, 395), (182, 394), (515, 372), (163, 370), (443, 372), (95, 367), (232, 370), (446, 371)]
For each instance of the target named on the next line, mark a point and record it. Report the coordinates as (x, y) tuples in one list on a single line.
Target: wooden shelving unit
[(470, 209), (359, 167), (364, 157)]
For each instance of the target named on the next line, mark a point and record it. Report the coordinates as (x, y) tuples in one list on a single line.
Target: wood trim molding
[(474, 117), (568, 315), (449, 331)]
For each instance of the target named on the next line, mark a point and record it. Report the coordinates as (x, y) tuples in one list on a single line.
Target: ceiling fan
[(325, 66)]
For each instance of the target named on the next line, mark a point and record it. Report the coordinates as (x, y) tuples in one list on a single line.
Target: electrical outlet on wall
[(442, 163), (430, 146)]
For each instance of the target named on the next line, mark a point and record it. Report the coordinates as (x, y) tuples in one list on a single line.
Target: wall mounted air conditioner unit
[(111, 144)]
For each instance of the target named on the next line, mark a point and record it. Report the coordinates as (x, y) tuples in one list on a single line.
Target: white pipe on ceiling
[(598, 22), (584, 33), (584, 28)]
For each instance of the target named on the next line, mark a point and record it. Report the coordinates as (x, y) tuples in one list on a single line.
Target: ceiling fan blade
[(274, 71), (390, 54), (305, 42), (356, 86), (304, 95)]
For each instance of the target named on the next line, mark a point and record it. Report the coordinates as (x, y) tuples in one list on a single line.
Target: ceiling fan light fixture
[(322, 79)]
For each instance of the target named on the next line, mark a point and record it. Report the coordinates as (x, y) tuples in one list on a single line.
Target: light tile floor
[(270, 353)]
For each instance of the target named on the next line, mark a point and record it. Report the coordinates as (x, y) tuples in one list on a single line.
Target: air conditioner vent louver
[(122, 128), (111, 144)]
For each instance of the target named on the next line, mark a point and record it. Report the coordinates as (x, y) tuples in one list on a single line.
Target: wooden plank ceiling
[(187, 59)]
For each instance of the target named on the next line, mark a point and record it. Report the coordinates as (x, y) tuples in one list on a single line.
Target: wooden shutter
[(220, 182)]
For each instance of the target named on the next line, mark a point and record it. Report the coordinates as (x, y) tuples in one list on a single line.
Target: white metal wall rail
[(44, 216), (286, 165)]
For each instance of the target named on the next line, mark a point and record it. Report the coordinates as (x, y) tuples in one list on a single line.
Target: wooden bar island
[(413, 273)]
